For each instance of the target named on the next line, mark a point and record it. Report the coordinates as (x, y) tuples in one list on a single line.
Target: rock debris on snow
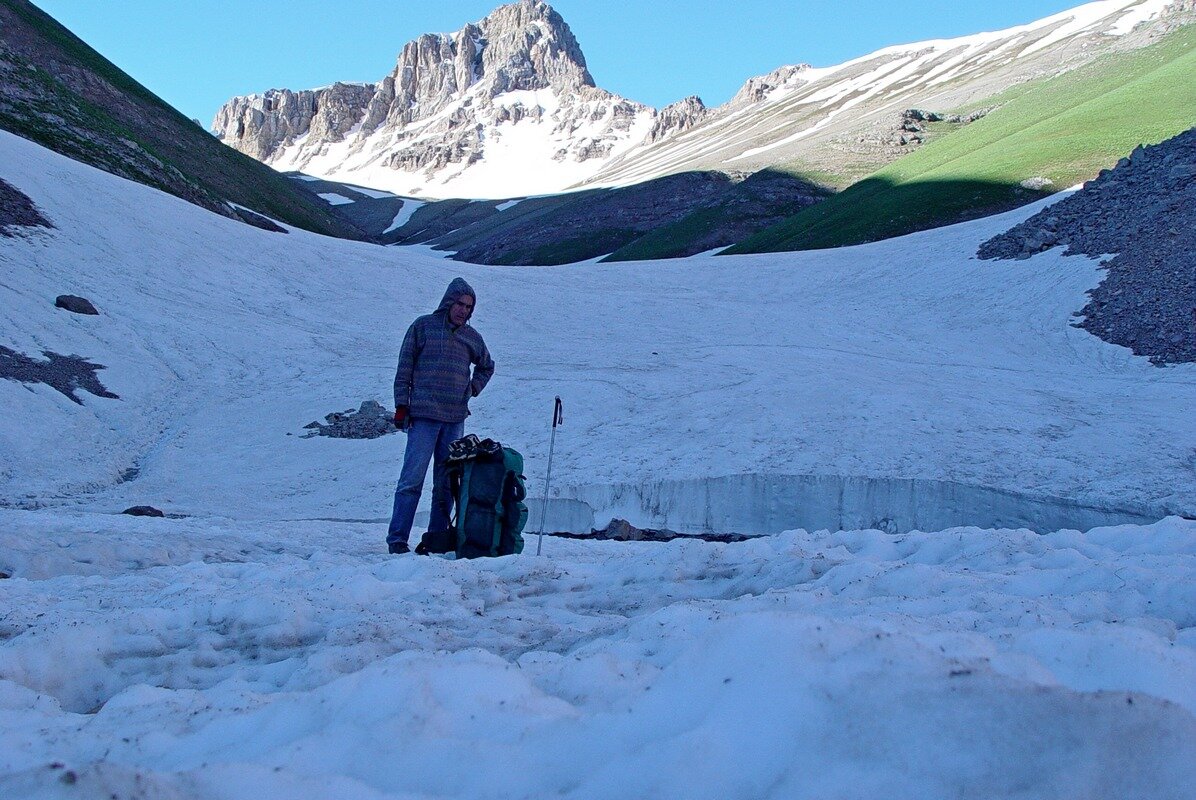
[(1144, 211), (369, 421), (143, 511)]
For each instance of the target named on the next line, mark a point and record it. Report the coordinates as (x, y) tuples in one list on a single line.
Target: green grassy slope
[(1064, 130), (62, 94), (755, 204)]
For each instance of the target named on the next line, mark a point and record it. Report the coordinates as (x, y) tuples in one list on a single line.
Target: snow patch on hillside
[(404, 216)]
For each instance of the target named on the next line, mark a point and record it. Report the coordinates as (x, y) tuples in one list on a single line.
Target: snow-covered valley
[(263, 642)]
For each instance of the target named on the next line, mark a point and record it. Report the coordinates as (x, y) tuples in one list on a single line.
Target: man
[(433, 386)]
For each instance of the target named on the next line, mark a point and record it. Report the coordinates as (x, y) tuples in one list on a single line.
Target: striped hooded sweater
[(434, 378)]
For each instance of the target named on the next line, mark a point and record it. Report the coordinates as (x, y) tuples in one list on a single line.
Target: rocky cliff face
[(452, 103), (262, 125)]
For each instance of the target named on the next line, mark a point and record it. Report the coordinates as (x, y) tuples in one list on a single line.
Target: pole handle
[(558, 413)]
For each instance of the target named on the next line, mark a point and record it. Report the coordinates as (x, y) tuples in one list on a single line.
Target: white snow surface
[(264, 644), (332, 198), (374, 193), (403, 216)]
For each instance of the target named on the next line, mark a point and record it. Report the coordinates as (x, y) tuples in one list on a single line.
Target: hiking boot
[(399, 548)]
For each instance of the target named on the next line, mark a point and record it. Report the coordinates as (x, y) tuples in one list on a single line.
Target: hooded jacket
[(434, 378)]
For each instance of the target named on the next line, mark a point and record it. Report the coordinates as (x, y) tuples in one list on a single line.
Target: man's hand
[(402, 417)]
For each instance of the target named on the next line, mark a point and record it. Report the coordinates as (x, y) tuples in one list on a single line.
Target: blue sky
[(196, 55)]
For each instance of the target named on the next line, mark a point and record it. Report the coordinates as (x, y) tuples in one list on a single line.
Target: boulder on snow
[(75, 304), (143, 511)]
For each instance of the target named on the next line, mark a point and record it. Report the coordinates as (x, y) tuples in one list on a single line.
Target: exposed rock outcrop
[(757, 89), (66, 374), (678, 117), (1144, 210)]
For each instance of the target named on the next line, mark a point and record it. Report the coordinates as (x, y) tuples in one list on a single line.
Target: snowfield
[(218, 659), (900, 417)]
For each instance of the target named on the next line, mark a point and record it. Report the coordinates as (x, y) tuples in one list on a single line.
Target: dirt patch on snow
[(66, 374), (17, 210)]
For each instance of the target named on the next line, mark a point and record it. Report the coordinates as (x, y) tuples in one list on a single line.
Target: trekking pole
[(558, 418)]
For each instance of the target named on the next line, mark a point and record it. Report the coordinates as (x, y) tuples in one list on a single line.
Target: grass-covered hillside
[(676, 215), (754, 204), (57, 91), (1043, 137)]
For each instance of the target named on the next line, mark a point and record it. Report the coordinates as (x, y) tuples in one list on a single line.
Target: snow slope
[(265, 645), (902, 361)]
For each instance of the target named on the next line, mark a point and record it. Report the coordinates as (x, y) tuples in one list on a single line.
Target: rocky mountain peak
[(521, 46), (527, 45)]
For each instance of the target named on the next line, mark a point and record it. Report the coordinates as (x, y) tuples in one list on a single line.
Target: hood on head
[(455, 289)]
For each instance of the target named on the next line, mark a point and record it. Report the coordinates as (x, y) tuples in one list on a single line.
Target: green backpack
[(487, 484)]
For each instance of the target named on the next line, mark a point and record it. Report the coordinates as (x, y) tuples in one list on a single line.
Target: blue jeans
[(427, 439)]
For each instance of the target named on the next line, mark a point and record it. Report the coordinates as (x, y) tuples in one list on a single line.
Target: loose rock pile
[(620, 530), (1144, 210), (369, 421)]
